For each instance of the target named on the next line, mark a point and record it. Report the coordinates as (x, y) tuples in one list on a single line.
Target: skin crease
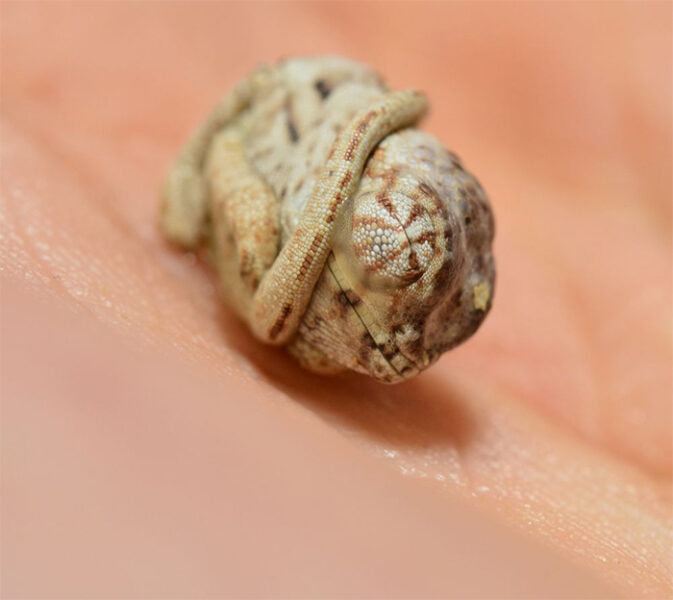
[(554, 419)]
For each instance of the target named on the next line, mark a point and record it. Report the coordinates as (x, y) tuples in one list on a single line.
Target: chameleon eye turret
[(337, 229), (388, 239)]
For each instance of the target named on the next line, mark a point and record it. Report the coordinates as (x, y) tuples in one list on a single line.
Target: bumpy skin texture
[(336, 227)]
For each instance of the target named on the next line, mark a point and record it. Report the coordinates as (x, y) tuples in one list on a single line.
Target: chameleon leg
[(184, 202), (285, 290), (245, 219)]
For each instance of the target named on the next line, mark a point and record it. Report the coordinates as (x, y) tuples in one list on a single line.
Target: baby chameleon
[(337, 229)]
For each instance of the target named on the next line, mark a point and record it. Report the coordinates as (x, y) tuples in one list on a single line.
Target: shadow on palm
[(420, 413)]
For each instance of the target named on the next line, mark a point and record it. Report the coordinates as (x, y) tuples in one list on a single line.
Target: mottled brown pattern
[(371, 221), (360, 131), (352, 298), (278, 325), (345, 180), (352, 146), (416, 211), (387, 203), (333, 208), (364, 123), (426, 236), (389, 303), (306, 263), (324, 89)]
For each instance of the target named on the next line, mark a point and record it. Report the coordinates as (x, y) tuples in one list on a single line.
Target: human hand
[(555, 418)]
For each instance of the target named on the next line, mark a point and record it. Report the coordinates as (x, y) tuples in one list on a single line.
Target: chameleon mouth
[(381, 356)]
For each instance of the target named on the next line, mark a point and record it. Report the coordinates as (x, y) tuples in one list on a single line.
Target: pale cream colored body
[(335, 228)]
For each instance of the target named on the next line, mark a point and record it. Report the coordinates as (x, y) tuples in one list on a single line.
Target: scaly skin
[(555, 417), (337, 229)]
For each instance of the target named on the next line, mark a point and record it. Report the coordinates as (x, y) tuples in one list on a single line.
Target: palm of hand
[(557, 414)]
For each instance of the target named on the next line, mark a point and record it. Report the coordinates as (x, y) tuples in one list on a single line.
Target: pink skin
[(152, 446)]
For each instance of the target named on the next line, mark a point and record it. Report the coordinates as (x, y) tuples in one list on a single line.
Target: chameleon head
[(411, 262)]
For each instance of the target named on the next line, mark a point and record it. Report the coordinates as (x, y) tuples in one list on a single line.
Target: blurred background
[(555, 419)]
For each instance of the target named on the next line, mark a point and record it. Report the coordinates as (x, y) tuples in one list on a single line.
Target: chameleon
[(336, 228)]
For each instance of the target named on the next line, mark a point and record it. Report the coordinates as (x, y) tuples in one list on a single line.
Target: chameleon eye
[(393, 239)]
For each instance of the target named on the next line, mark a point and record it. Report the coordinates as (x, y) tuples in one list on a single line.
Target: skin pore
[(140, 418)]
